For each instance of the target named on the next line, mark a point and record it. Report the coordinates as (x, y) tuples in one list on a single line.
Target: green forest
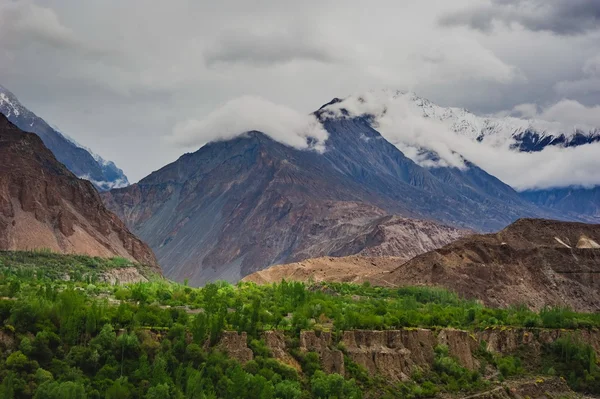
[(66, 333)]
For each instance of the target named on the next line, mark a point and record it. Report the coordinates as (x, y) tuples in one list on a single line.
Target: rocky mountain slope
[(532, 262), (45, 206), (82, 162), (234, 207)]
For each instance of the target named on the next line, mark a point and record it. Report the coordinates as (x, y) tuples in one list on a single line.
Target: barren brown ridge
[(45, 206)]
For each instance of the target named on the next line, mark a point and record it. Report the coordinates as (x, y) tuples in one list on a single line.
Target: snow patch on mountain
[(106, 185), (8, 105)]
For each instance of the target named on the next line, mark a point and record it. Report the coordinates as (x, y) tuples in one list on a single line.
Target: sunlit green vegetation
[(86, 339)]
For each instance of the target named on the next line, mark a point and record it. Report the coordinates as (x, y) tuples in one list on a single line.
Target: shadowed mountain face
[(238, 206), (533, 262), (103, 174), (45, 206)]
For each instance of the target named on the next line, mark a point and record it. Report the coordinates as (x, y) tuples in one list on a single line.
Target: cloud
[(589, 83), (573, 17), (109, 71), (574, 114), (266, 48), (248, 113), (22, 22), (403, 123)]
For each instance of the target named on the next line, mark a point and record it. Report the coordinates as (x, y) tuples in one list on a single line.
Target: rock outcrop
[(396, 354), (235, 345), (45, 206), (332, 360), (275, 341)]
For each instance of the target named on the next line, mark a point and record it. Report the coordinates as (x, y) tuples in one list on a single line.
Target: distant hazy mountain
[(234, 207), (569, 201), (79, 160)]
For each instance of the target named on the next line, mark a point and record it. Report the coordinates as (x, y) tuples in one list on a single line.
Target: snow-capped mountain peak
[(9, 105), (497, 131), (521, 152)]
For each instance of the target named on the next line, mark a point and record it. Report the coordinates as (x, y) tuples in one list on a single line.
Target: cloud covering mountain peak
[(248, 113), (418, 128)]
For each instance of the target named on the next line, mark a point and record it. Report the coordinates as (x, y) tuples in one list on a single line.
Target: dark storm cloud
[(561, 17)]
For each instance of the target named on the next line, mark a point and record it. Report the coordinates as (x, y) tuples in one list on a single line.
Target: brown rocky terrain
[(45, 206), (348, 269), (534, 262)]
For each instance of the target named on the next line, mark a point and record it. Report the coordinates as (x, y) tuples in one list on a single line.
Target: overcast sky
[(120, 76)]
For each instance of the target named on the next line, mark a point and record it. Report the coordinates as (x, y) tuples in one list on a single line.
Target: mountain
[(82, 162), (534, 262), (406, 117), (45, 206), (234, 207)]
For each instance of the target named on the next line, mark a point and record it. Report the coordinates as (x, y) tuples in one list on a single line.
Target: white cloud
[(403, 124), (573, 113), (249, 113), (527, 110)]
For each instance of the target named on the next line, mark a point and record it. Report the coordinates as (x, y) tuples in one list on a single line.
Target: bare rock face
[(275, 341), (533, 261), (461, 346), (332, 360), (44, 205), (236, 346), (348, 269), (393, 354)]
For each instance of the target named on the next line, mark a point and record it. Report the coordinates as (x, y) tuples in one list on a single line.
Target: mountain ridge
[(105, 175), (250, 202)]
